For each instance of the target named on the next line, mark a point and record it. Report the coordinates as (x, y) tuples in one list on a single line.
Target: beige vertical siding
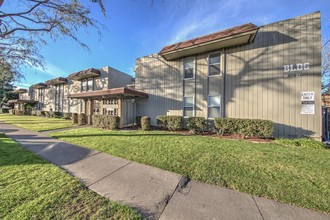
[(253, 85)]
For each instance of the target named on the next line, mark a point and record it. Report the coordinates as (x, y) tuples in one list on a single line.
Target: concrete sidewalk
[(155, 193)]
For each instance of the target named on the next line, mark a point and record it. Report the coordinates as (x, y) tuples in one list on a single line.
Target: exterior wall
[(117, 78), (254, 84)]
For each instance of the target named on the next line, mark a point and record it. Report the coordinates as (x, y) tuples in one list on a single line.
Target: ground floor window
[(188, 106), (214, 106), (110, 106), (97, 107)]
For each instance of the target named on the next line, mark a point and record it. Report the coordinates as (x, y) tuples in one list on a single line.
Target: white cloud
[(22, 85)]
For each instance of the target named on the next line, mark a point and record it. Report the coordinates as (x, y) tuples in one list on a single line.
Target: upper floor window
[(214, 64), (87, 84), (188, 106), (189, 68)]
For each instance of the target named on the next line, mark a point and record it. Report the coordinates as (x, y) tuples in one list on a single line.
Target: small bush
[(138, 121), (4, 110), (161, 121), (19, 112), (42, 113), (196, 125), (170, 122), (67, 115), (12, 111), (57, 114), (82, 119), (245, 127), (47, 114), (145, 123), (174, 123), (75, 118), (300, 142), (106, 121)]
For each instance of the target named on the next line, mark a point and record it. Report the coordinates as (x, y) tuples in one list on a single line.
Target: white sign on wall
[(307, 96), (308, 103), (296, 67)]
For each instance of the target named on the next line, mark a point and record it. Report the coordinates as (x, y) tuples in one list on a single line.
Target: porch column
[(89, 111), (121, 112)]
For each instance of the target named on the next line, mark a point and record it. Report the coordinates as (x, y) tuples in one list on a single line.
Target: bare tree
[(326, 66), (26, 24)]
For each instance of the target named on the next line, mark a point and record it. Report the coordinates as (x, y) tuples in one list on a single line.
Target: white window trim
[(183, 106), (208, 63), (210, 106), (184, 68)]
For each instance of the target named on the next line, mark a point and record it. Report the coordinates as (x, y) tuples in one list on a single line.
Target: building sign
[(296, 67), (308, 103)]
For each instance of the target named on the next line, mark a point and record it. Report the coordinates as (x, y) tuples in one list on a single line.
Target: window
[(87, 85), (214, 104), (188, 106), (189, 68), (58, 97), (214, 64)]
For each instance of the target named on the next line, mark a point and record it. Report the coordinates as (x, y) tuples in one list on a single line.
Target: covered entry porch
[(117, 102)]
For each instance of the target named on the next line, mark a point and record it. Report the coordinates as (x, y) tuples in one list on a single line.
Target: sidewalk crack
[(255, 202)]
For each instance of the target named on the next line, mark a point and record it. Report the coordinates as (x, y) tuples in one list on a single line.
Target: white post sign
[(308, 103)]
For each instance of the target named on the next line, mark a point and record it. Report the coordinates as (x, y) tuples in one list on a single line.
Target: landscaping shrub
[(138, 121), (170, 122), (12, 111), (245, 127), (33, 112), (67, 115), (106, 121), (161, 121), (174, 122), (4, 110), (196, 125), (145, 123), (82, 119), (300, 142), (75, 118), (42, 113), (19, 112), (57, 114), (47, 114)]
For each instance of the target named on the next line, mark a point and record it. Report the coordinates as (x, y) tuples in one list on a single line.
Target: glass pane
[(188, 102), (214, 112), (188, 111), (188, 73), (214, 70), (189, 63), (214, 101), (214, 58)]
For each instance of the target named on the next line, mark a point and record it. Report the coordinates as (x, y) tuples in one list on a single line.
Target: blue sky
[(135, 28)]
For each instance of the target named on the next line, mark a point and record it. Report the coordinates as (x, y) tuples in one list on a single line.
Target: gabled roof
[(224, 36), (83, 74), (39, 85), (115, 92), (57, 81)]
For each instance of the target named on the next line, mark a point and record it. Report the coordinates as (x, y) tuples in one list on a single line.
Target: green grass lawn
[(35, 123), (31, 188), (294, 175)]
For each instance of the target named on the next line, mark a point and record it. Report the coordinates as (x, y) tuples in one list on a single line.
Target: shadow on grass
[(116, 135)]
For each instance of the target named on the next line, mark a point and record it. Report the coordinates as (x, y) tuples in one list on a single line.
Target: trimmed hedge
[(245, 127), (75, 118), (47, 114), (138, 121), (42, 113), (170, 122), (106, 121), (145, 123), (12, 111), (19, 112), (57, 114), (67, 115), (82, 119), (196, 125), (4, 110)]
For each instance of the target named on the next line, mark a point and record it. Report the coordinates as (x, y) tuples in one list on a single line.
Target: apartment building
[(268, 72), (91, 91)]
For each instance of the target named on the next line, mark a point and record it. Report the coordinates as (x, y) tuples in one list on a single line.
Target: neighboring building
[(269, 72), (91, 91)]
